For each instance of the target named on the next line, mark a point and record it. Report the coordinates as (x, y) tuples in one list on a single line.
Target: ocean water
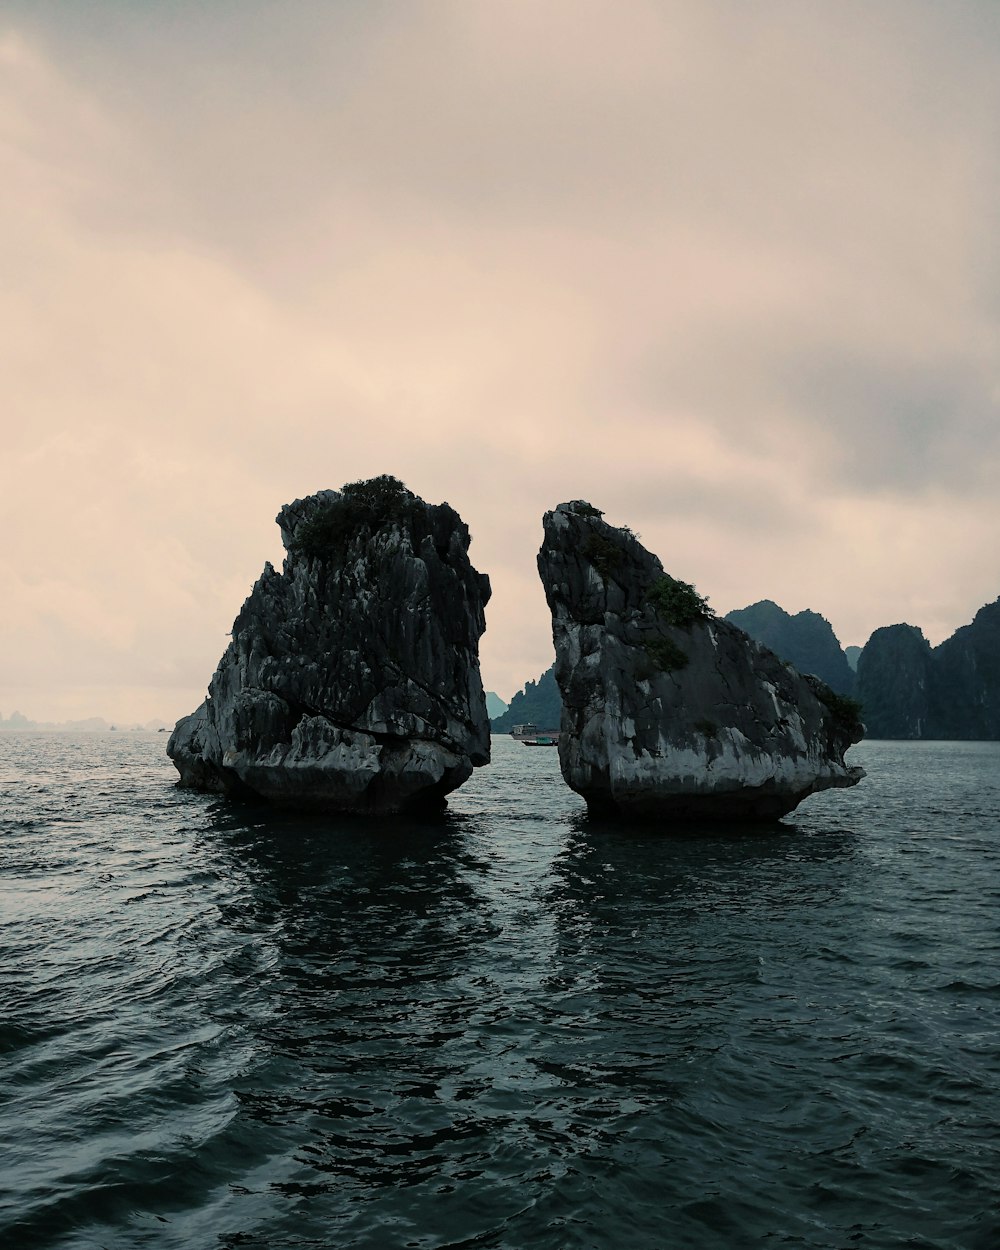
[(509, 1027)]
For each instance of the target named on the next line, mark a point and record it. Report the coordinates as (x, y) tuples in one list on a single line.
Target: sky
[(727, 269)]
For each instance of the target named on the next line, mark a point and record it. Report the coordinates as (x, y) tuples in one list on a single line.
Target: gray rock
[(352, 679), (668, 711)]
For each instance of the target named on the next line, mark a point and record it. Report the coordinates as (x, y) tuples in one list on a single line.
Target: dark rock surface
[(352, 679), (911, 690), (894, 682), (967, 679), (806, 640), (670, 712)]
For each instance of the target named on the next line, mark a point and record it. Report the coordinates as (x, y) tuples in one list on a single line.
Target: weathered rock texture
[(668, 711), (352, 679)]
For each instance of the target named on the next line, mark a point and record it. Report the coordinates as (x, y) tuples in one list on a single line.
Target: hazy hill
[(538, 702), (495, 706), (91, 724), (805, 640)]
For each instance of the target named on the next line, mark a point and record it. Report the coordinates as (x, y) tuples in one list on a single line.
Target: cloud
[(729, 271)]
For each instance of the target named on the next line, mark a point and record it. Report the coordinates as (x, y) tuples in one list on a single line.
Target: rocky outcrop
[(911, 690), (895, 681), (668, 711), (352, 679), (805, 640), (967, 679)]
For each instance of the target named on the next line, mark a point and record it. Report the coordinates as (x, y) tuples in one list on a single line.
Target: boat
[(539, 742)]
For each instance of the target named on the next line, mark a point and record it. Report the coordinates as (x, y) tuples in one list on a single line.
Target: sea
[(508, 1026)]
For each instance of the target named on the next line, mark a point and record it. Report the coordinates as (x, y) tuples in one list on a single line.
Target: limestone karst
[(668, 711), (806, 640), (912, 690), (352, 679)]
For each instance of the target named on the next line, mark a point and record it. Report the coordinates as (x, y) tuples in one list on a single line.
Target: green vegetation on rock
[(678, 603), (367, 504), (604, 554), (844, 709), (666, 654)]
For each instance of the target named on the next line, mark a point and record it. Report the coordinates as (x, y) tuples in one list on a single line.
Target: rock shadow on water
[(307, 865)]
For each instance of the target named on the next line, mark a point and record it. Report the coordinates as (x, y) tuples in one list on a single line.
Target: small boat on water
[(529, 735)]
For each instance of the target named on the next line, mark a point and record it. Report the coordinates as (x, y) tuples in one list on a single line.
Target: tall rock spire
[(352, 679)]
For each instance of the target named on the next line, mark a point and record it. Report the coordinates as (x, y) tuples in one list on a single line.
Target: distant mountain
[(91, 724), (852, 654), (910, 690), (538, 703), (495, 706), (967, 679), (805, 640)]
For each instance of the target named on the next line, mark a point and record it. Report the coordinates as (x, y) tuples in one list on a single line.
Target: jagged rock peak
[(352, 679), (951, 691), (668, 711), (806, 640)]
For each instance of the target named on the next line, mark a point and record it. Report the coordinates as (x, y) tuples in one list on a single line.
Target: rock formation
[(352, 679), (538, 702), (911, 690), (894, 681), (967, 679), (805, 640), (668, 711)]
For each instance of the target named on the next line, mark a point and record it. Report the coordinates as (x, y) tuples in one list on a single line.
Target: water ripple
[(510, 1027)]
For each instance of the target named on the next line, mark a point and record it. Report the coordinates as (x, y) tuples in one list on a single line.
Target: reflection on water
[(508, 1025)]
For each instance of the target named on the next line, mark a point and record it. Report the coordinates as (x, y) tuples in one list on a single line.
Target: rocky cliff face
[(894, 682), (910, 690), (670, 712), (967, 679), (806, 640), (352, 679)]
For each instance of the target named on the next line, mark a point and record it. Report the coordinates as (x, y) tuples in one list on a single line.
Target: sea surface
[(510, 1027)]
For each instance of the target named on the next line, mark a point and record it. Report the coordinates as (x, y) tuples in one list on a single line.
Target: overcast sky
[(729, 270)]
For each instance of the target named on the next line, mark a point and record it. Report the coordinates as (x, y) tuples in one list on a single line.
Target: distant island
[(806, 640), (537, 704), (913, 690), (495, 706), (91, 724), (907, 688)]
